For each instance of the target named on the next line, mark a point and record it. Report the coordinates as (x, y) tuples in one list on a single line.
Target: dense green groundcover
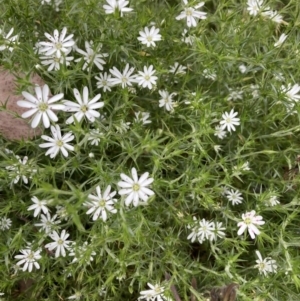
[(204, 175)]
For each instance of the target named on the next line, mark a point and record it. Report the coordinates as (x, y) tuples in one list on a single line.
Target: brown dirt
[(14, 127)]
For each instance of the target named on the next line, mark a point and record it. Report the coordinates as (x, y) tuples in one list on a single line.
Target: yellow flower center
[(136, 187), (102, 203), (248, 221), (189, 11), (59, 143), (58, 46), (84, 108), (43, 107)]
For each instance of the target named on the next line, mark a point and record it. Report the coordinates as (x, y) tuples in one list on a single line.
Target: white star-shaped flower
[(166, 100), (265, 266), (29, 259), (229, 121), (149, 36), (146, 78), (254, 6), (59, 44), (84, 106), (125, 79), (9, 40), (117, 5), (41, 106), (38, 206), (250, 220), (91, 56), (191, 14), (57, 143), (100, 204), (104, 81), (234, 196), (135, 188), (60, 243)]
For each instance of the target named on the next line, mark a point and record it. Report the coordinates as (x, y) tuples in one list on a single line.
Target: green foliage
[(190, 165)]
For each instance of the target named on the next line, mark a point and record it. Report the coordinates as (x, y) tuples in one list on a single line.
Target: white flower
[(5, 223), (273, 200), (190, 13), (235, 95), (149, 37), (291, 92), (104, 81), (166, 100), (250, 220), (60, 243), (242, 68), (279, 76), (265, 266), (62, 212), (209, 74), (21, 170), (81, 251), (217, 231), (41, 106), (9, 40), (94, 136), (48, 223), (229, 121), (245, 166), (155, 293), (91, 56), (254, 6), (135, 188), (116, 5), (187, 38), (255, 91), (29, 259), (57, 143), (194, 234), (235, 197), (59, 44), (273, 15), (76, 296), (217, 148), (123, 127), (142, 117), (177, 69), (201, 230), (146, 78), (223, 190), (281, 40), (205, 230), (38, 206), (84, 107), (100, 204), (125, 79), (102, 291), (54, 62), (220, 132), (237, 170)]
